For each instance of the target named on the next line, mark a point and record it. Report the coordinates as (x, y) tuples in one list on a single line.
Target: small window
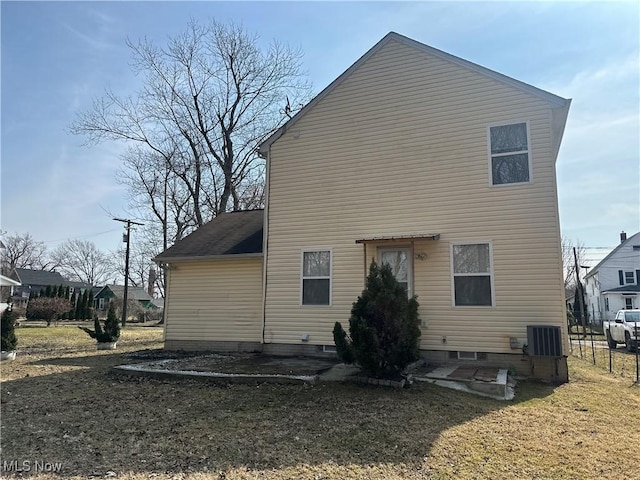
[(628, 303), (629, 277), (101, 304), (467, 356), (472, 274), (606, 304), (509, 158), (316, 277)]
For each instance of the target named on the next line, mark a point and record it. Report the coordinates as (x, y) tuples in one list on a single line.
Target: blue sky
[(58, 56)]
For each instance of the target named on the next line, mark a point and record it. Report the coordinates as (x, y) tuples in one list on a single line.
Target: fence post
[(635, 331)]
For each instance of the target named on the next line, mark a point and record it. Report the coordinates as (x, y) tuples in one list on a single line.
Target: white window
[(399, 259), (629, 277), (628, 303), (509, 158), (472, 274), (101, 304), (316, 277)]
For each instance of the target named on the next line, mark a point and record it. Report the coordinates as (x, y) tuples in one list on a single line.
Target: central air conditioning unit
[(544, 341)]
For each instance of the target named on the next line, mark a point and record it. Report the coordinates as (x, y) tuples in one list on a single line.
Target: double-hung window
[(510, 157), (472, 274), (316, 277)]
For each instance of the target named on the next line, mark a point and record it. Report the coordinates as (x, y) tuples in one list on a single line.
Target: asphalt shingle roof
[(135, 293), (231, 233), (39, 277), (626, 288)]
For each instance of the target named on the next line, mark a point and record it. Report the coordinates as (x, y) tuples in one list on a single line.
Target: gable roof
[(232, 233), (8, 282), (134, 293), (554, 100), (622, 244), (38, 277)]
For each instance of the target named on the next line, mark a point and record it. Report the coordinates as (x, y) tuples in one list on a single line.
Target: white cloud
[(599, 164)]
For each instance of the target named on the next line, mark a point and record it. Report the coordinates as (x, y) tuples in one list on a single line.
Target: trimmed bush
[(110, 332), (8, 339), (384, 327)]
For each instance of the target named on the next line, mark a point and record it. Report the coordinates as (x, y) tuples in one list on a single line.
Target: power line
[(80, 237)]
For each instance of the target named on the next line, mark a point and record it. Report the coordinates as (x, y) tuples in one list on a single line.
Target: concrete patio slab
[(487, 382)]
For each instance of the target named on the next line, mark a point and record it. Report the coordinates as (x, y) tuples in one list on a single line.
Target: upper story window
[(629, 277), (510, 159), (472, 274), (316, 277)]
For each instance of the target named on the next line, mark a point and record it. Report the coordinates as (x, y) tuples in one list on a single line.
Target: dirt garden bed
[(234, 364)]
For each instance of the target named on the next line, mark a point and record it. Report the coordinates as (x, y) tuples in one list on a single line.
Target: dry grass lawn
[(61, 404)]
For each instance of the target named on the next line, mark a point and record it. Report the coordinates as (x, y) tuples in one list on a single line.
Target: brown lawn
[(61, 404)]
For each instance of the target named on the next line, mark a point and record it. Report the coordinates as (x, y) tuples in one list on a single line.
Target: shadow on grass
[(93, 422)]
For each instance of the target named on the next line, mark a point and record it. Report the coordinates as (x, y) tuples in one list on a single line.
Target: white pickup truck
[(624, 329)]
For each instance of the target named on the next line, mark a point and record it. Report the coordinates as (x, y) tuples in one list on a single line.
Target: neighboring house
[(102, 298), (614, 283), (7, 284), (35, 281), (413, 157)]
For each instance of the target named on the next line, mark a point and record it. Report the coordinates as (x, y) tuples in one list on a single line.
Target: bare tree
[(209, 98), (47, 308), (81, 260), (568, 264), (21, 250), (143, 249)]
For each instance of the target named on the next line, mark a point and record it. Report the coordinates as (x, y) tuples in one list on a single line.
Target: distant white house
[(9, 283), (614, 283)]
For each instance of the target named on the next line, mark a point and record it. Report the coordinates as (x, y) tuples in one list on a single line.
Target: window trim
[(491, 273), (633, 278), (409, 250), (528, 152), (303, 278), (626, 301)]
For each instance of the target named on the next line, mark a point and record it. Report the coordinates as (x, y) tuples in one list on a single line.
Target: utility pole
[(127, 238), (581, 294)]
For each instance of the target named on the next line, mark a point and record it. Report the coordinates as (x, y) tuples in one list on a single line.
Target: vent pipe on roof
[(623, 237)]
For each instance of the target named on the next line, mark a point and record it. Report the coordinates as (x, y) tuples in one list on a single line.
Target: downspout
[(265, 241), (167, 272)]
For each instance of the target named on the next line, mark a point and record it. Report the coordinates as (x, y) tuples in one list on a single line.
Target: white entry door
[(399, 259)]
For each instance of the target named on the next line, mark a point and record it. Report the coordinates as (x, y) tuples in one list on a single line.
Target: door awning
[(423, 236)]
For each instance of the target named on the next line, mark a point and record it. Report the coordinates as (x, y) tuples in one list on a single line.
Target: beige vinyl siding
[(400, 147), (215, 300)]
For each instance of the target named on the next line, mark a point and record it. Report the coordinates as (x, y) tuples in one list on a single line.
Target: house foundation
[(546, 369)]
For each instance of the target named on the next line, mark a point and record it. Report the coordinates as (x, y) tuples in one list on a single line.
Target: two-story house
[(614, 283), (439, 167)]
